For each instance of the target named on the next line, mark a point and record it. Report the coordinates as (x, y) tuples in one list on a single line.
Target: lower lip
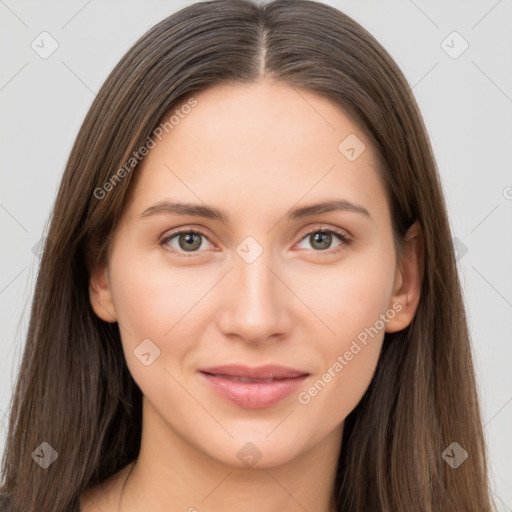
[(254, 395)]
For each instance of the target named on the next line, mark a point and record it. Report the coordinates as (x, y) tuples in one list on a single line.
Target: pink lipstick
[(253, 388)]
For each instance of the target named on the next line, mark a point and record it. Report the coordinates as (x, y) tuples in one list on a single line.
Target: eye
[(186, 241), (321, 239), (191, 241)]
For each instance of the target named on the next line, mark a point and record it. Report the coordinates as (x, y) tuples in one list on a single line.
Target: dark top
[(5, 504)]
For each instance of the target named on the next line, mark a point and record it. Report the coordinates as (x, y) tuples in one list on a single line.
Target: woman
[(248, 293)]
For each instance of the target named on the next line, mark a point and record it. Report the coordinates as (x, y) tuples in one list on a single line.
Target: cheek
[(354, 304), (157, 332), (347, 299), (154, 302), (150, 294)]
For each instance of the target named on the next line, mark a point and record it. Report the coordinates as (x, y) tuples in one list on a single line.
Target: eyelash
[(344, 239)]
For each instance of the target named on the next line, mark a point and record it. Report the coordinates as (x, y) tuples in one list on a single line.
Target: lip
[(253, 395), (268, 371)]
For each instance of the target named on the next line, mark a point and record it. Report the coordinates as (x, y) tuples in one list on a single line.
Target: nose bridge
[(255, 307), (255, 281)]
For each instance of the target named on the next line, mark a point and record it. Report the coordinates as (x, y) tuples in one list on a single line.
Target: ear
[(100, 294), (408, 280)]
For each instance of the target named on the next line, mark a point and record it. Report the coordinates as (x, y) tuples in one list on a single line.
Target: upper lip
[(260, 372)]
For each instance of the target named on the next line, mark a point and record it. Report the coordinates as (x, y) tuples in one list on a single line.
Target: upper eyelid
[(179, 231), (336, 231)]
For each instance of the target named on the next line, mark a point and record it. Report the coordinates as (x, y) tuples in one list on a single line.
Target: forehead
[(259, 146), (239, 121)]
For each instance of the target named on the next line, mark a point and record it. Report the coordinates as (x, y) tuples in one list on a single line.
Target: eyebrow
[(209, 212)]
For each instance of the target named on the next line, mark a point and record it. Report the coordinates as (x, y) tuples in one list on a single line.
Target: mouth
[(253, 388), (245, 379), (258, 373)]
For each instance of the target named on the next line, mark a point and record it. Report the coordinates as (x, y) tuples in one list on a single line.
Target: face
[(313, 291)]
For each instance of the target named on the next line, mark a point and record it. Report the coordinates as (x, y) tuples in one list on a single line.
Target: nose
[(255, 304)]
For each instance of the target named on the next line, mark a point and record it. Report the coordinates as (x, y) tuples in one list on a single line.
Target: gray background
[(466, 103)]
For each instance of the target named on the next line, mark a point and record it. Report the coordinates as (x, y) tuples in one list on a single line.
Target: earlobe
[(100, 294), (408, 280)]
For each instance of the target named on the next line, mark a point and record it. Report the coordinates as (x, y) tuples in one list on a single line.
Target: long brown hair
[(74, 390)]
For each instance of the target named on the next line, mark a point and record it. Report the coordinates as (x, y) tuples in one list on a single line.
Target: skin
[(294, 305)]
